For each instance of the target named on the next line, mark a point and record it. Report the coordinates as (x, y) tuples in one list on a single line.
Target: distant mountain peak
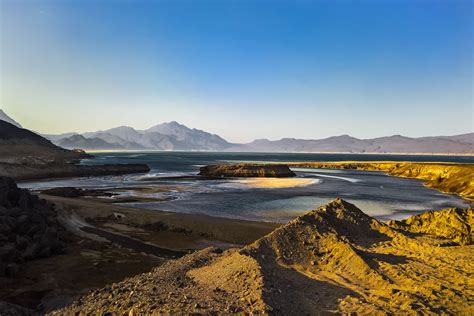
[(121, 128), (167, 127), (173, 135), (8, 119)]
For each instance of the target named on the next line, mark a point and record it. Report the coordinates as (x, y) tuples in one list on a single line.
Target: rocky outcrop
[(455, 224), (335, 259), (246, 170), (29, 228)]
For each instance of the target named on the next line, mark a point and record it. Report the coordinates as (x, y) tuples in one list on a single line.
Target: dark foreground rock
[(65, 170), (29, 228), (246, 170), (71, 192), (7, 309)]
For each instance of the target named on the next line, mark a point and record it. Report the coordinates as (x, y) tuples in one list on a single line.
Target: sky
[(241, 69)]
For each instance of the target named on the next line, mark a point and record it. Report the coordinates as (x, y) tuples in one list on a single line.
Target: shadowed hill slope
[(333, 259), (18, 145)]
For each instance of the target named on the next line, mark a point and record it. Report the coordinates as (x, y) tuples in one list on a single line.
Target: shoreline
[(276, 152), (24, 173), (108, 259), (448, 178), (108, 243)]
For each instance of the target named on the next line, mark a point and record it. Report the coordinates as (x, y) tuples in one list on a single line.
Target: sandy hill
[(333, 259)]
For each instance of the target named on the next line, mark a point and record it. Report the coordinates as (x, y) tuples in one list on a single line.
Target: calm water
[(374, 192)]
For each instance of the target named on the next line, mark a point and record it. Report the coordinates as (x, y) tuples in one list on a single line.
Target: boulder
[(29, 228)]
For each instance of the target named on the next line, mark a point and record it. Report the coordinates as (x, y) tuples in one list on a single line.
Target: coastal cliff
[(445, 177), (246, 170), (335, 259)]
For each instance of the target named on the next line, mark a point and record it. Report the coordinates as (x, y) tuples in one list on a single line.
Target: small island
[(247, 171)]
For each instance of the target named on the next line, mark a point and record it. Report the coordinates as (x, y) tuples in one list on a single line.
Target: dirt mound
[(454, 223), (333, 259), (246, 170)]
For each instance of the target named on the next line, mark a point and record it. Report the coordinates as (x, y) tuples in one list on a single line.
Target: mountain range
[(174, 136)]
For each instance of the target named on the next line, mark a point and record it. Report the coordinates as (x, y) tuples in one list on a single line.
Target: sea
[(375, 193)]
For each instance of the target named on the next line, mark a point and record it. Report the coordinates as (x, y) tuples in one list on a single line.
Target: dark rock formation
[(18, 145), (68, 192), (246, 170), (29, 228)]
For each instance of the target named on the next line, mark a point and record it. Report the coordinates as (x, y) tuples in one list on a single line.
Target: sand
[(275, 183)]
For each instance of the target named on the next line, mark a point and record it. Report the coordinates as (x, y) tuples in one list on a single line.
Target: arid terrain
[(102, 241), (334, 259)]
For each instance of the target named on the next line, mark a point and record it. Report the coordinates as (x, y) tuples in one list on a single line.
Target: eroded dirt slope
[(333, 259)]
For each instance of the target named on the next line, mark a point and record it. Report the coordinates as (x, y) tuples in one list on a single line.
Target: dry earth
[(335, 259)]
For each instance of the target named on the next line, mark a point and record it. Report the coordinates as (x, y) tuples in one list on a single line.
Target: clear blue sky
[(242, 69)]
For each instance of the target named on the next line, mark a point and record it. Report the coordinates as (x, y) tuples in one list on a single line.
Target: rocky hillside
[(335, 259), (29, 228), (18, 145), (246, 170)]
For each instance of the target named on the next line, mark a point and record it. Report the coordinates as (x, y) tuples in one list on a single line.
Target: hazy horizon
[(241, 70)]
